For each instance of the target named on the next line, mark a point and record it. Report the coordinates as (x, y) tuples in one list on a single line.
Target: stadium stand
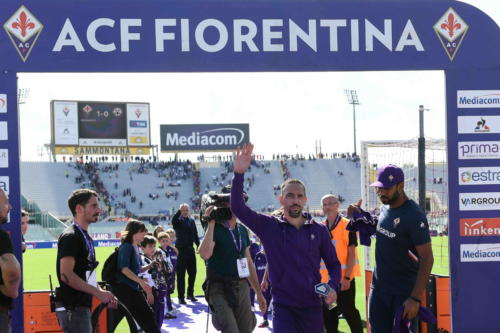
[(153, 191)]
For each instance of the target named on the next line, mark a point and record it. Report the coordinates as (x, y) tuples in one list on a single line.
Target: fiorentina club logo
[(451, 30), (138, 113), (23, 29), (66, 111)]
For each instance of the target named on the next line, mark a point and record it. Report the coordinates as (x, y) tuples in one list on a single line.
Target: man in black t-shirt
[(76, 266), (10, 270)]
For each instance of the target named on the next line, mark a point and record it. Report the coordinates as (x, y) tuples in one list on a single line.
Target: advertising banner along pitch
[(203, 137)]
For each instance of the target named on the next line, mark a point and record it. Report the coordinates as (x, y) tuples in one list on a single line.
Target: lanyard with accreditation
[(91, 275), (241, 262)]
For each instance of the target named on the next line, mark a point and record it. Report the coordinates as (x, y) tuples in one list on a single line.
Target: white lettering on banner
[(479, 201), (479, 252), (243, 32), (478, 150), (478, 99), (479, 176), (199, 139)]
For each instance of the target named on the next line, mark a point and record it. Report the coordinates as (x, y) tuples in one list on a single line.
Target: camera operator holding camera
[(295, 245), (76, 266), (225, 247)]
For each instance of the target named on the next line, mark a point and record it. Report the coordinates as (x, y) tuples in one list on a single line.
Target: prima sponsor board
[(3, 103), (480, 227), (479, 176), (203, 137), (479, 252), (3, 131), (479, 201), (4, 158), (478, 150), (475, 99), (478, 124)]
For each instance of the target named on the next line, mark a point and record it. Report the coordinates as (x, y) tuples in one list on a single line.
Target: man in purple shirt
[(295, 245)]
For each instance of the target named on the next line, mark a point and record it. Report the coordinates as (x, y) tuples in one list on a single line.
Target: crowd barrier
[(53, 244)]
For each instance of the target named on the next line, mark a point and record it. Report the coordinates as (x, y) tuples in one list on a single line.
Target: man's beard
[(295, 213), (388, 201), (4, 220)]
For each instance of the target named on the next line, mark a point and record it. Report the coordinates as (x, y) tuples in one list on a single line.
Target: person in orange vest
[(345, 243)]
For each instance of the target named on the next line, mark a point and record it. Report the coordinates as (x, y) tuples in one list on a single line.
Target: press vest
[(340, 238)]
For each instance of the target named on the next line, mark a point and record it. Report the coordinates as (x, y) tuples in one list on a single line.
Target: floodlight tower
[(421, 159), (352, 98)]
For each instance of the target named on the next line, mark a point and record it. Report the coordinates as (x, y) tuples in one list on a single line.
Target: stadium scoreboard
[(82, 127)]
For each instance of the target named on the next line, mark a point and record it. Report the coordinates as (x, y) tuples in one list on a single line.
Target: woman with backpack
[(128, 285)]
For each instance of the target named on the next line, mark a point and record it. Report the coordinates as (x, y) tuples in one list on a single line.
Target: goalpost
[(404, 153)]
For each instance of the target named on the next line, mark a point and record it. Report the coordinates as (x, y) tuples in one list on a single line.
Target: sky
[(287, 112)]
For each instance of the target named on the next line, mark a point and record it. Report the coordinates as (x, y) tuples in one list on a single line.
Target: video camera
[(220, 201)]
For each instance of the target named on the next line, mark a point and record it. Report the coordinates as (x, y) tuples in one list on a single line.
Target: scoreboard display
[(100, 124)]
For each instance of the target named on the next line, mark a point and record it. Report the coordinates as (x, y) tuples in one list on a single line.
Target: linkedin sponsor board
[(203, 137), (489, 175), (111, 124), (480, 227)]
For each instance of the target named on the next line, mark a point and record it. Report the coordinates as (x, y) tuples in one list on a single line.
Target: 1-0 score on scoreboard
[(104, 124)]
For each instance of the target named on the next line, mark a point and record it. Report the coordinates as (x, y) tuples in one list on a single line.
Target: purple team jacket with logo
[(293, 254)]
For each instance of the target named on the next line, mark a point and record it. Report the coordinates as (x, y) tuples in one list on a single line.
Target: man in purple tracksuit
[(295, 245)]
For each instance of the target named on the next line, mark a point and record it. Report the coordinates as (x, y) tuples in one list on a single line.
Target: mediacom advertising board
[(203, 137)]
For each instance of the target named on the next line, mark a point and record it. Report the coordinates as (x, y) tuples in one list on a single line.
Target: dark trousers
[(347, 306), (382, 308), (288, 319), (135, 301), (159, 305), (186, 261)]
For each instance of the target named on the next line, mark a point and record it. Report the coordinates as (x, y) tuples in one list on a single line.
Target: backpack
[(110, 267)]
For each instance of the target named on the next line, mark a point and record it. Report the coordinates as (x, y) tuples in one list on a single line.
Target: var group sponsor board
[(479, 201), (479, 176), (478, 99), (480, 227), (203, 137), (478, 124), (479, 252), (478, 150)]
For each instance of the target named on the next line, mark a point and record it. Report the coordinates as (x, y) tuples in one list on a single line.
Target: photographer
[(225, 247), (76, 266)]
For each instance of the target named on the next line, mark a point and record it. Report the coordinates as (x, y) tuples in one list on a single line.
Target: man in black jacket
[(186, 234)]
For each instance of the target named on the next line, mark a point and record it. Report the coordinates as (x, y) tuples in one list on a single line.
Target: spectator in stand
[(10, 270), (24, 227), (187, 235)]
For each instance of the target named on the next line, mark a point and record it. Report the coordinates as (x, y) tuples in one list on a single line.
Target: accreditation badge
[(91, 277), (243, 270)]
